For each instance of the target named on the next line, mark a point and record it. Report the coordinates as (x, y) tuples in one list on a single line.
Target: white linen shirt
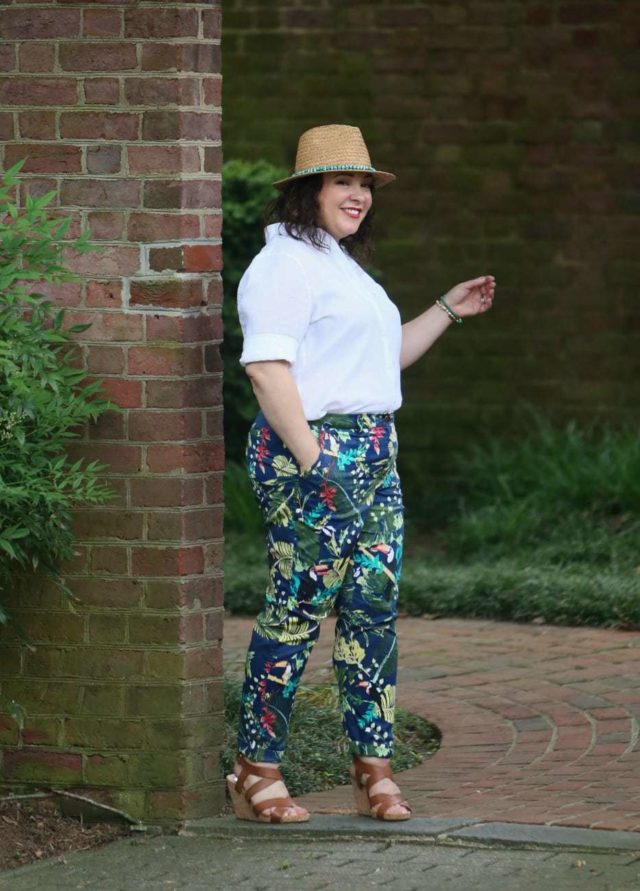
[(320, 311)]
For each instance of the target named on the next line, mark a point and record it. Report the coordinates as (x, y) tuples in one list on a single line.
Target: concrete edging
[(431, 831)]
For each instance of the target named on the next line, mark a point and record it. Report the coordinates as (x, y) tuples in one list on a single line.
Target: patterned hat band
[(330, 148), (327, 168)]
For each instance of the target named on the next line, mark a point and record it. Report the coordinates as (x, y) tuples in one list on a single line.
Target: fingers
[(487, 280)]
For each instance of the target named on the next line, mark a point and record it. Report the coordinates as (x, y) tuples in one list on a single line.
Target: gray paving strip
[(420, 829), (280, 859)]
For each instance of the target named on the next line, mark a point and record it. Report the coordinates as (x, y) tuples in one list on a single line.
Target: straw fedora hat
[(331, 148)]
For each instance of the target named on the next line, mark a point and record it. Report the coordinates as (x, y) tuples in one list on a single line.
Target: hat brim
[(380, 177)]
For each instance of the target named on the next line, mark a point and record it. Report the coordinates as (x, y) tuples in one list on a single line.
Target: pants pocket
[(324, 495)]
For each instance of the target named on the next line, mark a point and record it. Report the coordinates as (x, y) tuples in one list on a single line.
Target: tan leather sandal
[(364, 775), (241, 799)]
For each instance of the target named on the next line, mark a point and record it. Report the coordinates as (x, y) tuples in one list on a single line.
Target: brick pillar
[(117, 106)]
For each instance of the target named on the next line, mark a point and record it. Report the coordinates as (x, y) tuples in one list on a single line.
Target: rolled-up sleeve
[(274, 307)]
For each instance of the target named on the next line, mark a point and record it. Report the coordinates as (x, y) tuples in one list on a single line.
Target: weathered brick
[(197, 57), (102, 23), (213, 159), (103, 699), (63, 293), (156, 91), (125, 393), (172, 22), (166, 492), (211, 23), (162, 360), (106, 226), (167, 526), (109, 560), (46, 158), (119, 458), (148, 629), (37, 56), (99, 125), (92, 57), (154, 561), (104, 732), (8, 57), (106, 770), (165, 259), (163, 666), (104, 261), (212, 358), (105, 359), (166, 292), (202, 258), (162, 426), (186, 394), (154, 700), (103, 158), (37, 766), (173, 124), (214, 488), (118, 326), (156, 770), (213, 625), (187, 193), (101, 90), (39, 23), (152, 226), (107, 629), (32, 125), (37, 90), (203, 662), (164, 159), (109, 523), (109, 426), (111, 593), (214, 293), (184, 329), (202, 524)]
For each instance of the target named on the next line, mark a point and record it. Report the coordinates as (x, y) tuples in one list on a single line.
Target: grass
[(317, 757), (546, 528)]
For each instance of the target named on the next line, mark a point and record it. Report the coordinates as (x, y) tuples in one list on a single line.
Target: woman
[(324, 348)]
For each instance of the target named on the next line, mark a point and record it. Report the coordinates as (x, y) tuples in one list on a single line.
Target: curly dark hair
[(297, 207)]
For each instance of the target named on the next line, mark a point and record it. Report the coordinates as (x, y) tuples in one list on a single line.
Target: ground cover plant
[(317, 755), (544, 527)]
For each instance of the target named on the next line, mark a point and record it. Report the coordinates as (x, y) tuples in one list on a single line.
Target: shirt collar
[(274, 230)]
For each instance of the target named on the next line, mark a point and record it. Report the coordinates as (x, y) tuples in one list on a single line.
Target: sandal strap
[(383, 802), (248, 769), (374, 772), (278, 804)]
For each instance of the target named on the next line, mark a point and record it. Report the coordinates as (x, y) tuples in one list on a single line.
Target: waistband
[(357, 421)]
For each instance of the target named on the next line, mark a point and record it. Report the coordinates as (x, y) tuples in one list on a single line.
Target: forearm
[(278, 397), (421, 333)]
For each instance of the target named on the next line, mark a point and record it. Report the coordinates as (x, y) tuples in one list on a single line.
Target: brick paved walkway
[(539, 724)]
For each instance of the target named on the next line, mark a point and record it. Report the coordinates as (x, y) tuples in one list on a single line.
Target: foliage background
[(45, 398)]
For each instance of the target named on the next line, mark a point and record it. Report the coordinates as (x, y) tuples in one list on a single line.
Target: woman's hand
[(473, 297)]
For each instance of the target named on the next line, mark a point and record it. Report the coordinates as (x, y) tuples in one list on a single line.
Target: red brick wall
[(116, 105)]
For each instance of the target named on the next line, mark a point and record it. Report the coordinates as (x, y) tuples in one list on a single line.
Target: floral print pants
[(334, 541)]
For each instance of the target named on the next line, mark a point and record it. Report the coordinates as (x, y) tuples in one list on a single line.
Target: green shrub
[(317, 756), (44, 397), (246, 191)]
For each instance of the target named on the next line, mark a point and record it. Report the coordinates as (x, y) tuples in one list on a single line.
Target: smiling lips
[(353, 212)]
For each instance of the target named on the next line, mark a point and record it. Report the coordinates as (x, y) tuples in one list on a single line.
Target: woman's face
[(344, 201)]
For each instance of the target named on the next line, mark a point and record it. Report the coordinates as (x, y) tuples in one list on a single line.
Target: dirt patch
[(33, 829)]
